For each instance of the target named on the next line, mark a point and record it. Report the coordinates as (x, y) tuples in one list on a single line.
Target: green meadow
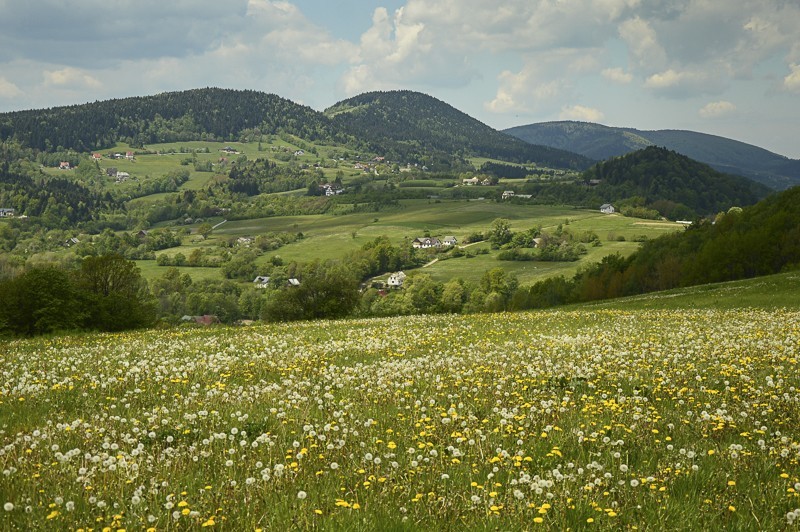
[(673, 411)]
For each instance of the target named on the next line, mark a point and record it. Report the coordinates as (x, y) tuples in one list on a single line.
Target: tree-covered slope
[(210, 113), (659, 174), (726, 155), (406, 124)]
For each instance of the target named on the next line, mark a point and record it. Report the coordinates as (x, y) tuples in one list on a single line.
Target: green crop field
[(639, 414)]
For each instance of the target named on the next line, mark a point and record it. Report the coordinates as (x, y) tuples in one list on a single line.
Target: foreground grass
[(607, 419)]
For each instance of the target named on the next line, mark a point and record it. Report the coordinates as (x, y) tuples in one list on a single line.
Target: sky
[(714, 66)]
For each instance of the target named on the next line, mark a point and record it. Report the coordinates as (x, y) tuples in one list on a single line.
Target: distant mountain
[(215, 114), (726, 155), (406, 124)]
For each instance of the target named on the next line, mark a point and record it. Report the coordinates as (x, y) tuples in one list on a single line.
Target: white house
[(426, 242), (471, 181), (293, 282), (449, 241), (262, 281), (6, 213), (607, 208), (508, 194), (396, 280)]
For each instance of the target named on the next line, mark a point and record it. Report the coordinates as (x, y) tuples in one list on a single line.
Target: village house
[(129, 155), (96, 156), (64, 165), (508, 194), (261, 281), (607, 208), (6, 213), (471, 181), (426, 242), (449, 241), (122, 176), (396, 280), (71, 242)]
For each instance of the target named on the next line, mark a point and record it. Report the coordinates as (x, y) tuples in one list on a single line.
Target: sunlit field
[(654, 419)]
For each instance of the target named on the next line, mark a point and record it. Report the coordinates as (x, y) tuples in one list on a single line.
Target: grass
[(331, 237), (781, 291), (608, 417)]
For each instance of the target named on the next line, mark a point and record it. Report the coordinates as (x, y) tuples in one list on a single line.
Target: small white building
[(607, 208), (396, 280), (508, 194), (449, 241), (262, 281)]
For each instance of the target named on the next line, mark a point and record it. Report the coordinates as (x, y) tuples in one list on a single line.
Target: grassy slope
[(769, 292), (668, 403), (332, 236)]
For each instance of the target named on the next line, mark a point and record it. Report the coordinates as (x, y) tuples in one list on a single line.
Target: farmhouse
[(508, 194), (449, 241), (262, 281), (64, 165), (607, 208), (6, 213), (426, 242), (96, 156), (396, 280), (471, 181)]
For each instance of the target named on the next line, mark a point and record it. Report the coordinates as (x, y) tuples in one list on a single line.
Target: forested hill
[(658, 174), (405, 124), (207, 114), (726, 155)]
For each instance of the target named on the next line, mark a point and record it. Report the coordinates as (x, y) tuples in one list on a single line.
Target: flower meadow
[(652, 419)]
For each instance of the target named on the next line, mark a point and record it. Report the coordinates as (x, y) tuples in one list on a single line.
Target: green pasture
[(331, 237), (769, 292)]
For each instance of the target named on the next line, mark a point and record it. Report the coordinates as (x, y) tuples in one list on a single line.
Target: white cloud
[(643, 45), (9, 90), (529, 89), (581, 113), (717, 109), (682, 84), (71, 78), (792, 81), (617, 75)]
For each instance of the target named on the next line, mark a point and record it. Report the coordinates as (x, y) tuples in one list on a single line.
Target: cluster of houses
[(332, 189), (262, 281), (426, 242), (473, 181)]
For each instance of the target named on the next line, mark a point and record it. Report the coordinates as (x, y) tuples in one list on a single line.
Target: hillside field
[(609, 418), (331, 236)]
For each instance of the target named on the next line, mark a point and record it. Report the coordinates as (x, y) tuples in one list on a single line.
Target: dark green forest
[(407, 125), (653, 182), (201, 114)]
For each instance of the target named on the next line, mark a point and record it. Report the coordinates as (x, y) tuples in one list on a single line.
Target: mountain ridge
[(724, 154)]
